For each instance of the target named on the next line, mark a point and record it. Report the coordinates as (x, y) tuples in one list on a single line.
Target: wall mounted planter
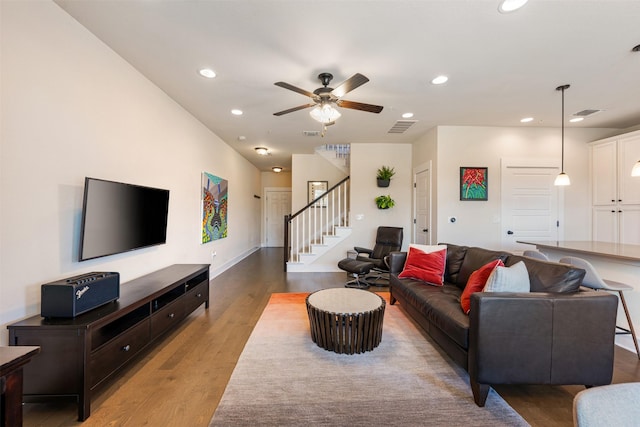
[(385, 202), (384, 175)]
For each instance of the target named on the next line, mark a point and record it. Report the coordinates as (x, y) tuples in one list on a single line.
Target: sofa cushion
[(455, 256), (474, 259), (476, 283), (549, 276), (439, 305), (425, 263), (509, 279)]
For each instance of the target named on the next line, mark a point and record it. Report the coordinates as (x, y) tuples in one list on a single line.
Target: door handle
[(509, 232), (425, 230)]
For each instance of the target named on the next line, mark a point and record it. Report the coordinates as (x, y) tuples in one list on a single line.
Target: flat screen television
[(119, 217)]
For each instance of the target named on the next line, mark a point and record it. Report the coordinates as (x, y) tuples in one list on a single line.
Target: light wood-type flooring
[(180, 380)]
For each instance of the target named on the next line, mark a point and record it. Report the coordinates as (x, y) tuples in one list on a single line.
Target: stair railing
[(317, 219)]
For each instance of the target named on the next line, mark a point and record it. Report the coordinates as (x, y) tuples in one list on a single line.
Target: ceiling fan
[(324, 98)]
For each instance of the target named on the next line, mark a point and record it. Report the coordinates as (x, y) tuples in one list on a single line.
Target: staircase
[(338, 154), (316, 228)]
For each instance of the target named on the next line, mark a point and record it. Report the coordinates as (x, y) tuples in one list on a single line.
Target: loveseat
[(555, 334)]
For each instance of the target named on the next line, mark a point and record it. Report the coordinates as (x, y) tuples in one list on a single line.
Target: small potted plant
[(385, 202), (384, 176)]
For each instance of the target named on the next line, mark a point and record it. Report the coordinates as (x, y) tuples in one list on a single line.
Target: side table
[(346, 320)]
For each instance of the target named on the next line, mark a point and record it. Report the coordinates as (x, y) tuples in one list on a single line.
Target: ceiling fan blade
[(291, 110), (295, 89), (350, 84), (359, 106)]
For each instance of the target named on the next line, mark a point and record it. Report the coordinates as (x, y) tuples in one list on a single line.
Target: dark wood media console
[(78, 354)]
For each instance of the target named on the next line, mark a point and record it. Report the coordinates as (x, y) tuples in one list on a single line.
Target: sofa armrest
[(541, 338), (395, 261)]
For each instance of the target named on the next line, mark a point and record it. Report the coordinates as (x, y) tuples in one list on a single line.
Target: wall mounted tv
[(119, 217)]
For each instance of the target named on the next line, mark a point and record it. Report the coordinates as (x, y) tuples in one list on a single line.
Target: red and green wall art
[(474, 183), (214, 207)]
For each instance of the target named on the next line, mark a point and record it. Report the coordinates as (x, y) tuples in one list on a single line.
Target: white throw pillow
[(509, 279), (427, 249)]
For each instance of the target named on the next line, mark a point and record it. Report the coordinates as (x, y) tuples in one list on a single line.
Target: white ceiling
[(501, 67)]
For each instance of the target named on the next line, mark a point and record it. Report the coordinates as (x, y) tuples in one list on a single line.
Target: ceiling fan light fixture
[(507, 6), (325, 113), (263, 151)]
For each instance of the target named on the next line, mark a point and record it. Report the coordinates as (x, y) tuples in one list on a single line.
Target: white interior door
[(422, 222), (531, 209), (278, 204)]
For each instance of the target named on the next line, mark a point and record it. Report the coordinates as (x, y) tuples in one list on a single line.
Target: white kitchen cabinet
[(615, 194)]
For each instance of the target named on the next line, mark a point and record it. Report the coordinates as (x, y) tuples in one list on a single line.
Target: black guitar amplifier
[(76, 295)]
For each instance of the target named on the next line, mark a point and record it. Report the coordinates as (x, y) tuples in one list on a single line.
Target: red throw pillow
[(426, 266), (476, 283)]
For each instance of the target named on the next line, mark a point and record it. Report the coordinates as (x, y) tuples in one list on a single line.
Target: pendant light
[(562, 178)]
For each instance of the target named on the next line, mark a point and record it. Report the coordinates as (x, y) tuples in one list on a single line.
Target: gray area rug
[(283, 379)]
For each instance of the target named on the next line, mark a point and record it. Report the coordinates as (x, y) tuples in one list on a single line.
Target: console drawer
[(116, 353), (166, 317), (196, 296)]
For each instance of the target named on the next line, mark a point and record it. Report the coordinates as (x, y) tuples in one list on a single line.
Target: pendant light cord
[(562, 88), (562, 161)]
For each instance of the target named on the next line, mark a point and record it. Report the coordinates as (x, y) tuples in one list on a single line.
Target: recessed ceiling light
[(407, 115), (576, 119), (440, 80), (208, 73), (507, 6), (276, 169), (236, 112), (263, 151), (526, 120), (242, 138)]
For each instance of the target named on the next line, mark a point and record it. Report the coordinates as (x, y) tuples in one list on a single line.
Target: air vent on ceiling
[(585, 113), (311, 132), (401, 126)]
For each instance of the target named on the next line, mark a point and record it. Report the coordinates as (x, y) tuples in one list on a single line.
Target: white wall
[(310, 167), (365, 161), (485, 146), (72, 108)]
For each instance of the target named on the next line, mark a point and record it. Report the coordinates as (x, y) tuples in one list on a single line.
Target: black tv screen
[(119, 217)]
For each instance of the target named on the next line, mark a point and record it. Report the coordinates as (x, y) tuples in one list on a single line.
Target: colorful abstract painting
[(214, 207), (474, 183)]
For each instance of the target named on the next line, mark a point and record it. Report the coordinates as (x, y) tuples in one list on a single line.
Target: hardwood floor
[(180, 380)]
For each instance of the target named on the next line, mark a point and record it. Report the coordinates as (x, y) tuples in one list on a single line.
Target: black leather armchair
[(388, 239)]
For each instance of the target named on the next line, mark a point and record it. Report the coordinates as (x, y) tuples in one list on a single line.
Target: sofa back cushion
[(455, 256), (475, 258), (548, 276)]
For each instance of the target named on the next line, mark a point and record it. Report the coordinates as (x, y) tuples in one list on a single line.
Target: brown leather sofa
[(556, 334)]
